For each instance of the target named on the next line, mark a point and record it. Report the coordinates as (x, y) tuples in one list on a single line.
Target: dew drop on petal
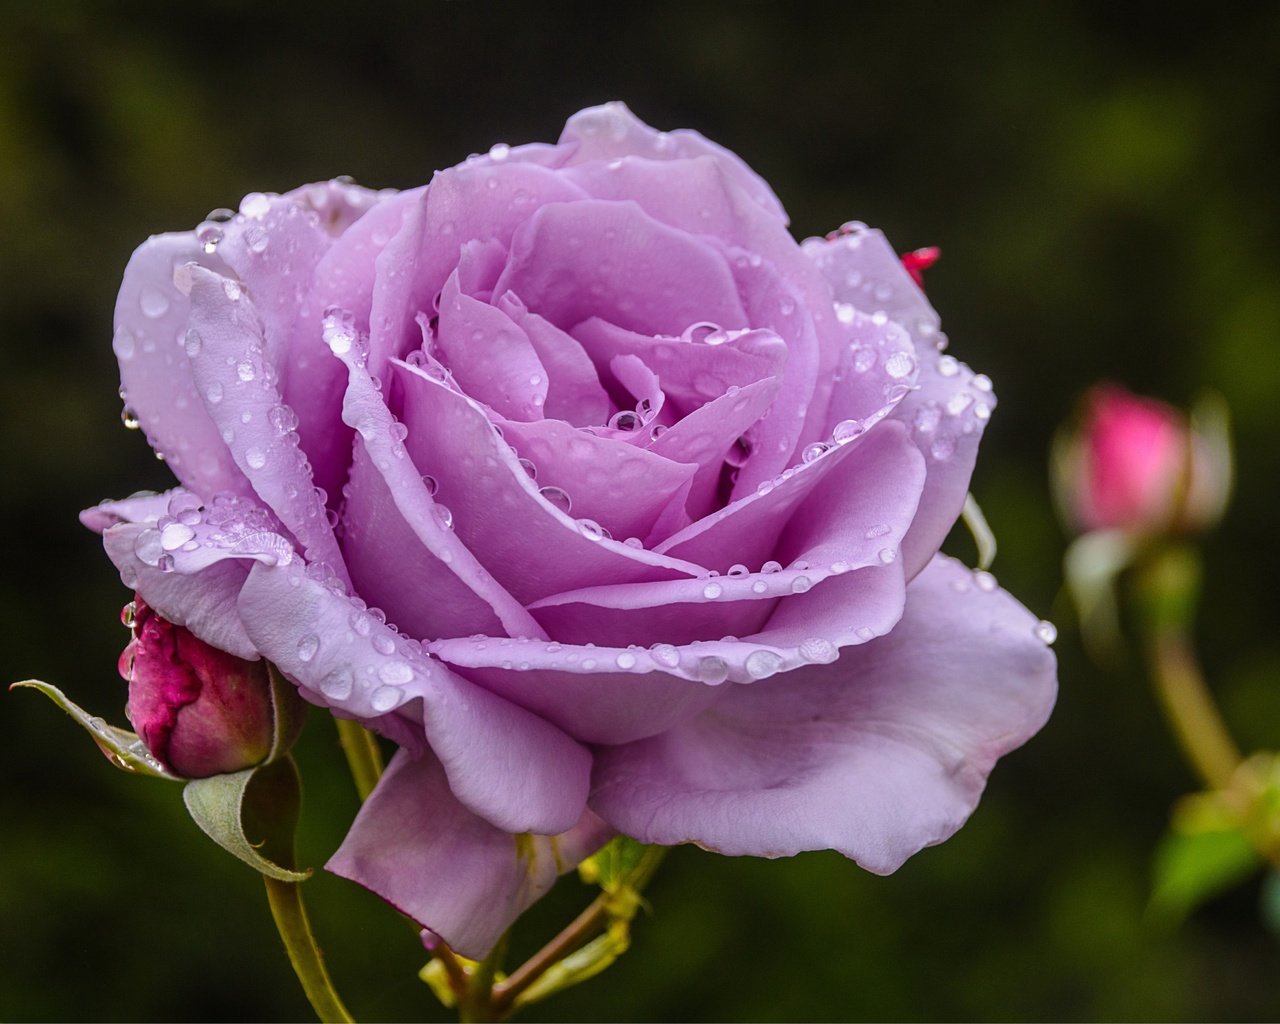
[(984, 581), (771, 566), (153, 302), (385, 698), (626, 660), (308, 646), (382, 643), (338, 684), (712, 590), (557, 497), (148, 547), (801, 585), (887, 556), (814, 452), (846, 430), (948, 366), (175, 535), (1046, 632), (759, 587), (864, 633), (762, 664), (899, 365), (395, 673), (666, 655), (818, 651), (255, 458), (738, 569), (430, 483), (443, 515), (712, 669)]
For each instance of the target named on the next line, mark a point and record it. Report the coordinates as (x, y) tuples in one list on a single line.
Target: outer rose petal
[(510, 767), (877, 755), (423, 852)]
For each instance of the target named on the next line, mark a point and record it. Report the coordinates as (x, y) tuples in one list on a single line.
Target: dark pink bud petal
[(920, 260), (198, 709)]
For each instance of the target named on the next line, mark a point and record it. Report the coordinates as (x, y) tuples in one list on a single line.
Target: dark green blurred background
[(1101, 178)]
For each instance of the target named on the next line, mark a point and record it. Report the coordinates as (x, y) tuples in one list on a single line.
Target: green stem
[(1190, 708), (573, 936), (1168, 587), (363, 755), (477, 1004), (291, 920)]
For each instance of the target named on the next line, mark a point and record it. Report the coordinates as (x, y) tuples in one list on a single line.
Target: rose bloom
[(652, 495), (1138, 464)]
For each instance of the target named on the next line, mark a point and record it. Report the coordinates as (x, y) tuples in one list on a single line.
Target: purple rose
[(652, 494)]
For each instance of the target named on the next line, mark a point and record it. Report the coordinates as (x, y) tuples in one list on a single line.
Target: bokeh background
[(1101, 178)]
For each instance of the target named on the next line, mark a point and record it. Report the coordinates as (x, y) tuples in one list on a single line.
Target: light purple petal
[(392, 516), (876, 755), (610, 131), (150, 332), (492, 358), (428, 856), (618, 485), (512, 768), (312, 382), (339, 203), (574, 393), (530, 546), (571, 261), (950, 407), (400, 290), (239, 391)]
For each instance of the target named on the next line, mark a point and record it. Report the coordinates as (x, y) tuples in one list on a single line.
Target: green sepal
[(611, 866), (580, 966), (288, 713), (262, 802), (124, 749)]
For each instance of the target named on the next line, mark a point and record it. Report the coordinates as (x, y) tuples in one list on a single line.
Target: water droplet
[(943, 447), (625, 420), (764, 487), (338, 684), (982, 411), (846, 430), (175, 535), (958, 403), (984, 581), (165, 563), (382, 643), (879, 530), (153, 302), (557, 497), (499, 151), (124, 343), (592, 530), (818, 651), (864, 633), (899, 365), (308, 646), (948, 366), (814, 452), (626, 660), (762, 664), (283, 419), (863, 358), (666, 655), (845, 312), (231, 289), (928, 418), (431, 484), (255, 205), (129, 418), (712, 590), (712, 669), (257, 239), (148, 547), (255, 458), (801, 585), (386, 698), (981, 381), (887, 556), (771, 566), (759, 587), (213, 393), (529, 468), (738, 569), (443, 515), (396, 673), (246, 372), (1046, 632)]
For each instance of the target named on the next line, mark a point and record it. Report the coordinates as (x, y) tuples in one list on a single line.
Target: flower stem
[(363, 755), (291, 920), (477, 1003), (1168, 587), (572, 937)]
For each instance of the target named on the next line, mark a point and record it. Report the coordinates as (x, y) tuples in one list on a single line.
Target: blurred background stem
[(363, 755)]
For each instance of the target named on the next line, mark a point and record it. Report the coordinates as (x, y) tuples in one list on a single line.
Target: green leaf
[(1270, 901), (581, 965), (123, 748), (1190, 867), (262, 802)]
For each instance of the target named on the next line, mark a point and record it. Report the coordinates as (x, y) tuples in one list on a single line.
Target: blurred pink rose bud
[(199, 710), (1134, 463), (918, 261)]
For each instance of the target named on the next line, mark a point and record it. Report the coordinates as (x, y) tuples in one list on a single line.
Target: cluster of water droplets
[(227, 523), (984, 582)]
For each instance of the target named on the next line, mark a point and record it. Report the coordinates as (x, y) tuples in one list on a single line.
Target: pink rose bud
[(199, 710), (918, 261), (1138, 464)]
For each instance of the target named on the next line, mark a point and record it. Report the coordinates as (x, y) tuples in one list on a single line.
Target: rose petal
[(530, 546), (571, 261), (574, 393), (240, 394), (339, 202), (747, 531), (610, 131), (492, 359), (948, 411), (877, 755), (400, 290), (515, 770), (392, 517), (618, 485), (150, 332), (423, 852), (312, 383)]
